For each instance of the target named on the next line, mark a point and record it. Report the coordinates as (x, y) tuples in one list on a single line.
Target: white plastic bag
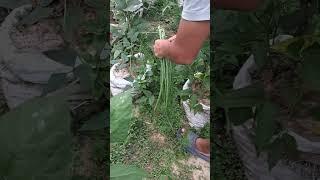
[(199, 119), (26, 71), (256, 168), (118, 83)]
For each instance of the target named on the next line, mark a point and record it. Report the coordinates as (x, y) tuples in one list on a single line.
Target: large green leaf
[(244, 97), (125, 172), (121, 115), (72, 19), (310, 68), (260, 53), (240, 115), (284, 147), (66, 56), (56, 82), (37, 14), (266, 124), (12, 4), (230, 48), (85, 73), (35, 140)]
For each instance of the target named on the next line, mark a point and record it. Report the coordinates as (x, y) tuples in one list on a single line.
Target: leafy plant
[(92, 33), (36, 140), (121, 115), (198, 74), (123, 172), (240, 34), (126, 30)]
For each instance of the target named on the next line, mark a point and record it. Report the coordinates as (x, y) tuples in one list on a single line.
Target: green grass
[(152, 145), (226, 160)]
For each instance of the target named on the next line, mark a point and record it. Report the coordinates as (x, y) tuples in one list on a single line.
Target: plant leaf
[(85, 73), (45, 3), (239, 116), (133, 6), (37, 14), (35, 139), (151, 100), (55, 82), (281, 148), (260, 53), (72, 20), (125, 172), (12, 4), (266, 124), (244, 97), (121, 115), (66, 56), (316, 113), (275, 153), (310, 68)]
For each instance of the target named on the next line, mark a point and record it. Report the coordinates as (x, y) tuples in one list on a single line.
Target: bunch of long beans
[(164, 97)]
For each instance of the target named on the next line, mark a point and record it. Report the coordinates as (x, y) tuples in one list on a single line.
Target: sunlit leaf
[(121, 115), (125, 172)]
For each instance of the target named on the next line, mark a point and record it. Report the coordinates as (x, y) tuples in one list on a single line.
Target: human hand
[(161, 48), (172, 38)]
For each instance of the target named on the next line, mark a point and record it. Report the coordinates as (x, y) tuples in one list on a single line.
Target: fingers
[(156, 50), (172, 38), (160, 47)]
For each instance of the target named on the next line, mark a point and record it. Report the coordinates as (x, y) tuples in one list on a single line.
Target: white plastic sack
[(24, 72), (118, 84), (257, 168), (199, 119)]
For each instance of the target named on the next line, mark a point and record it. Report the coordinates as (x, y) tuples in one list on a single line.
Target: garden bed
[(151, 143)]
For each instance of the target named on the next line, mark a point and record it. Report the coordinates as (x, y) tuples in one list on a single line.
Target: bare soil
[(200, 168)]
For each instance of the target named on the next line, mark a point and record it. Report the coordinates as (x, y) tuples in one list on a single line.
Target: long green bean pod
[(164, 97)]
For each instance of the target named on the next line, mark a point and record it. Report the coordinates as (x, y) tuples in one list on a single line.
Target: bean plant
[(240, 34)]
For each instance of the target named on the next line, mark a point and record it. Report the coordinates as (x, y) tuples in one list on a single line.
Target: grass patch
[(152, 143), (150, 147)]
